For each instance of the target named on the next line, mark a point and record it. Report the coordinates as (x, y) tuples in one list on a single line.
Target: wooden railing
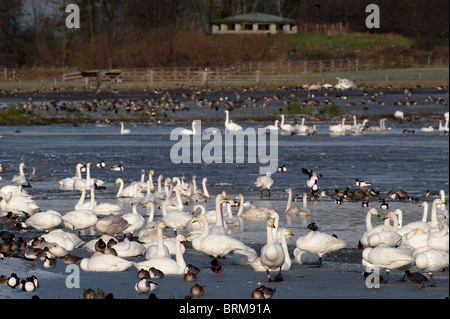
[(9, 75)]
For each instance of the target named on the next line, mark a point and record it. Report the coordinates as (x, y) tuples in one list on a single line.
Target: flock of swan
[(424, 244)]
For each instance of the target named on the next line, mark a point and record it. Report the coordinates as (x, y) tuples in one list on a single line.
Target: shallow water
[(390, 160)]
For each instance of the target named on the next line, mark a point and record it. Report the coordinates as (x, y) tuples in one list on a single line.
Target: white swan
[(135, 220), (167, 265), (369, 228), (302, 128), (128, 248), (148, 233), (345, 84), (80, 219), (273, 127), (197, 196), (422, 225), (434, 215), (44, 221), (253, 213), (319, 243), (104, 208), (174, 219), (264, 182), (18, 205), (296, 210), (256, 264), (286, 127), (158, 250), (105, 263), (388, 237), (189, 132), (67, 240), (431, 260), (214, 244), (230, 126), (272, 253), (388, 258), (416, 238), (304, 258), (129, 191), (439, 239), (338, 128), (69, 181), (20, 179), (124, 130), (382, 126)]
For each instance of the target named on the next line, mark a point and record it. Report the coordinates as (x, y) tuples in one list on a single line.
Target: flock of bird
[(422, 243)]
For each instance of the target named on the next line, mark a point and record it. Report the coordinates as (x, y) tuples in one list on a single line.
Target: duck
[(216, 267), (196, 290), (167, 265), (214, 244), (13, 281), (155, 273), (49, 262), (117, 168), (142, 273), (362, 183), (282, 168), (319, 243), (388, 258), (71, 259), (190, 276), (20, 179), (144, 285), (100, 165), (431, 260), (384, 205), (296, 210), (99, 262), (313, 177), (28, 285), (264, 182)]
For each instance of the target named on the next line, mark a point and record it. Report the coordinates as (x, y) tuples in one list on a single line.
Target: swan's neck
[(179, 201), (92, 204), (305, 200), (151, 213), (160, 241), (194, 185), (227, 118), (81, 200), (205, 189), (21, 170), (289, 202), (142, 177), (134, 209), (88, 174), (150, 185), (120, 188), (179, 255), (287, 259), (425, 212), (164, 208), (443, 230), (160, 177), (219, 216), (369, 226), (270, 240), (399, 214), (78, 171), (282, 120), (395, 221), (241, 206), (434, 220)]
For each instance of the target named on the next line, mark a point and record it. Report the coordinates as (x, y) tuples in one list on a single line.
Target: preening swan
[(44, 221), (129, 191), (388, 258), (319, 243), (388, 237), (18, 204), (431, 260), (230, 126), (128, 248), (252, 213), (104, 263), (20, 179), (439, 239), (264, 182)]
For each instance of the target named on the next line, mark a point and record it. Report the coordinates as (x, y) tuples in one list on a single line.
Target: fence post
[(257, 76)]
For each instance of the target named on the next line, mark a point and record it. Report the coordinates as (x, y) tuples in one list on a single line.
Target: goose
[(338, 128), (111, 224), (264, 182), (388, 258), (167, 265), (189, 132), (319, 243), (144, 285), (44, 221), (286, 127), (99, 262), (439, 239), (69, 181), (129, 191), (296, 210), (284, 233), (431, 260), (214, 244), (158, 250), (20, 179), (253, 213), (124, 130), (387, 237), (128, 248), (174, 219), (272, 253), (135, 220), (230, 126)]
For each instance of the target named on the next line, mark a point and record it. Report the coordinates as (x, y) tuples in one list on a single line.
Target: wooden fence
[(240, 74), (9, 75)]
